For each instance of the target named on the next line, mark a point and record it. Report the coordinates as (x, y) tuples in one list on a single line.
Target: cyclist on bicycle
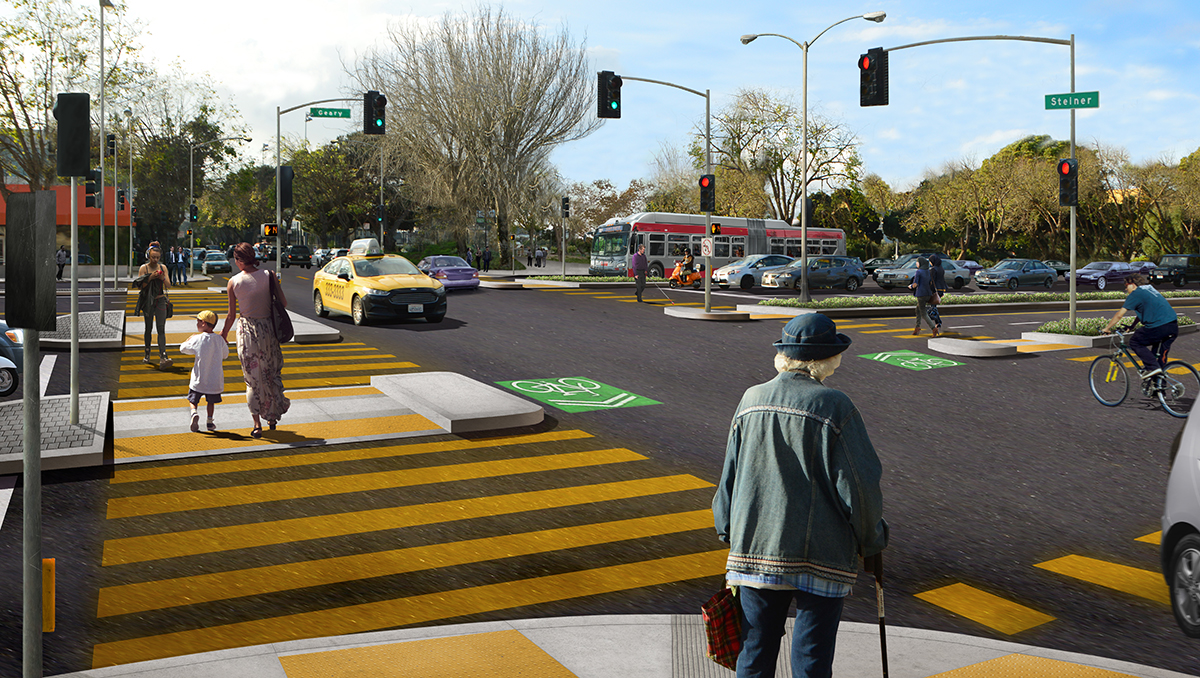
[(1159, 324)]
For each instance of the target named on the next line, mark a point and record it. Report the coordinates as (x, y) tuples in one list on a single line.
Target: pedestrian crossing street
[(289, 544)]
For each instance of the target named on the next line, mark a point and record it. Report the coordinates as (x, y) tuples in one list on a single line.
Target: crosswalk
[(284, 545)]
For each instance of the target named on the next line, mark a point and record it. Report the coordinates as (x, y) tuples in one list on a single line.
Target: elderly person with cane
[(798, 503)]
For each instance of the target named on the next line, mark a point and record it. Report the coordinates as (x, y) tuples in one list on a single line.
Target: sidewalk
[(613, 646)]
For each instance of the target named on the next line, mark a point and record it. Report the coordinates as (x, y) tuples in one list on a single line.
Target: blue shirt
[(1150, 306), (923, 282)]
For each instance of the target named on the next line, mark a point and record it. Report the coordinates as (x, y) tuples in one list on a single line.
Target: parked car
[(878, 262), (372, 284), (215, 262), (823, 271), (971, 265), (297, 255), (1177, 268), (198, 257), (747, 272), (454, 272), (1180, 543), (12, 358), (905, 258), (956, 276), (1062, 268), (1012, 273), (320, 257), (1104, 274)]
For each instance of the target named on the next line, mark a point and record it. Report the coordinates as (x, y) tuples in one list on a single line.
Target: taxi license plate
[(416, 308)]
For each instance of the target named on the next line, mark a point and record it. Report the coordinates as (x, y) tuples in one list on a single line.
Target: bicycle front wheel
[(1109, 381), (1179, 388)]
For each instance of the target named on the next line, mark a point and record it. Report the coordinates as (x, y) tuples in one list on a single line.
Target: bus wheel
[(656, 270)]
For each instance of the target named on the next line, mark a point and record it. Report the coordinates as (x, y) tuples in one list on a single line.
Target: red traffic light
[(1065, 167), (864, 62), (705, 181)]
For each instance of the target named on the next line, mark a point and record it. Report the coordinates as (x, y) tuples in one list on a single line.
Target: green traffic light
[(615, 105), (379, 122)]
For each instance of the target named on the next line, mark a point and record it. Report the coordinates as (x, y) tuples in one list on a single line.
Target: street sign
[(911, 360), (706, 247), (577, 394), (1055, 102), (317, 112)]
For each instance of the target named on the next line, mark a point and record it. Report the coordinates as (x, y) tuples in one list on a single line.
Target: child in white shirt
[(208, 375)]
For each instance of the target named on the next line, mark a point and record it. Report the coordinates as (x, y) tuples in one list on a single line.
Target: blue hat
[(811, 337)]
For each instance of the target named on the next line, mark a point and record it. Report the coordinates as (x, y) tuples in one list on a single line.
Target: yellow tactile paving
[(137, 475), (454, 657), (1152, 538), (171, 502), (1025, 666), (173, 404), (984, 608), (218, 539), (167, 593), (150, 446), (1134, 581), (420, 609)]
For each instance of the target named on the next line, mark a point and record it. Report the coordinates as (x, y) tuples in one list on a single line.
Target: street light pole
[(103, 140), (129, 117), (747, 39)]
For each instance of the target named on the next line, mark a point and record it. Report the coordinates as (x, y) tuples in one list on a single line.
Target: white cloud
[(989, 143)]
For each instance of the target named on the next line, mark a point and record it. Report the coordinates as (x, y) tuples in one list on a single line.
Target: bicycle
[(1176, 388)]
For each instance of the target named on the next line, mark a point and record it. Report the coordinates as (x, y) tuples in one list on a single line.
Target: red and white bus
[(667, 235)]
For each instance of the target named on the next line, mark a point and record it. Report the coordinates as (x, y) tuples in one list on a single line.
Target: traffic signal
[(873, 78), (716, 229), (286, 174), (608, 95), (380, 213), (189, 235), (92, 198), (194, 214), (1068, 183), (708, 193), (73, 111), (374, 113), (111, 149), (566, 211), (133, 215), (120, 200), (270, 230)]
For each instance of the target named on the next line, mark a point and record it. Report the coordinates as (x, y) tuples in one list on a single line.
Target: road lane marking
[(186, 361), (897, 329), (421, 609), (181, 591), (156, 376), (286, 353), (1030, 322), (46, 369), (176, 443), (7, 483), (219, 539), (1152, 538), (984, 608), (855, 327), (174, 390), (1134, 581), (192, 500), (173, 403), (965, 327), (136, 475)]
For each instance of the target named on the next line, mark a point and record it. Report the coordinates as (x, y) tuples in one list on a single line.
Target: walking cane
[(879, 604)]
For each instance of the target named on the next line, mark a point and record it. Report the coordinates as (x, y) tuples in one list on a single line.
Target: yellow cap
[(208, 317)]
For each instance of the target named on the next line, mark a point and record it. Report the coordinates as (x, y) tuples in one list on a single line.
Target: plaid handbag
[(723, 627)]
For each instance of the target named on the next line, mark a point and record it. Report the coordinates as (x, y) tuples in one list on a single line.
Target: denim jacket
[(800, 492)]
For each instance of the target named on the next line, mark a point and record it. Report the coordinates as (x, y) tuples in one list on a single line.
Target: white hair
[(817, 369)]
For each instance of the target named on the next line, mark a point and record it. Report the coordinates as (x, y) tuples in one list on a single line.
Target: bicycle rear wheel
[(1180, 386), (1109, 381)]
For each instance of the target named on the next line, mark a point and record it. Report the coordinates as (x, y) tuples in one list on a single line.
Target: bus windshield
[(610, 244)]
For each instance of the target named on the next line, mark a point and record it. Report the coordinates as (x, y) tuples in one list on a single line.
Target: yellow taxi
[(366, 283)]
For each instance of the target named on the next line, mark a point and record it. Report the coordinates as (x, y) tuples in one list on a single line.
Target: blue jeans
[(764, 612)]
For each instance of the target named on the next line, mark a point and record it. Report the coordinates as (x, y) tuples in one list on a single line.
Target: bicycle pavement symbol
[(911, 360), (577, 394)]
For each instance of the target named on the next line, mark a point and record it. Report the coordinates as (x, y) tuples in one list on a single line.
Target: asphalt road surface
[(1015, 500)]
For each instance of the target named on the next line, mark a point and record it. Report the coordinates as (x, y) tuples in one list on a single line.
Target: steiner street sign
[(329, 112), (1072, 100)]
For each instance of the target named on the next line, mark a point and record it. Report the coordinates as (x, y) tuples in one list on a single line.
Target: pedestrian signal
[(270, 230)]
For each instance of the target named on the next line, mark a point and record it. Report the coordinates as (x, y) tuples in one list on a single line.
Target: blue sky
[(948, 102)]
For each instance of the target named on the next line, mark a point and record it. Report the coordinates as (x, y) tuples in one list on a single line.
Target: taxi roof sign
[(368, 246)]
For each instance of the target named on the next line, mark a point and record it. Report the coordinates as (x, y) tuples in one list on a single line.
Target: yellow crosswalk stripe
[(136, 356), (1134, 581), (173, 404), (137, 475), (158, 377), (897, 329), (415, 609), (313, 432), (162, 594), (185, 362), (191, 500), (218, 539), (990, 610), (855, 327), (316, 382)]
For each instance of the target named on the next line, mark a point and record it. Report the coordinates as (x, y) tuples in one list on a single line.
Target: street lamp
[(192, 166), (877, 17)]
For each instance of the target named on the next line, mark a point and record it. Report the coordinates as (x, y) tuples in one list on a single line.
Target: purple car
[(454, 273), (1105, 274)]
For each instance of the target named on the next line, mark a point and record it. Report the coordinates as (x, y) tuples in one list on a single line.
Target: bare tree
[(482, 101)]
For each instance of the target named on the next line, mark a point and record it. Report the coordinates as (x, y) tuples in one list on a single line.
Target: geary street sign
[(1056, 102), (318, 112)]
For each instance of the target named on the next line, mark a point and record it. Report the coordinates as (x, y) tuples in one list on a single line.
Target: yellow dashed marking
[(984, 608), (1134, 581)]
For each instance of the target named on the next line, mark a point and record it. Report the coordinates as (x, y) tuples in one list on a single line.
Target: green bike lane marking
[(577, 394), (911, 360)]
